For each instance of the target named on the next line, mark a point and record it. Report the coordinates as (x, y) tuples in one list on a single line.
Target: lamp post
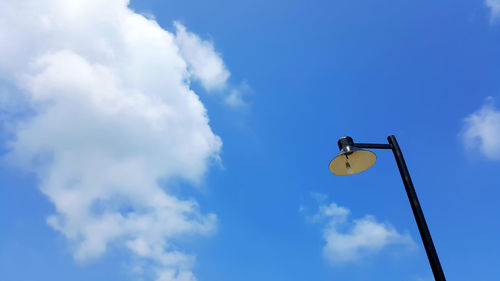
[(352, 159)]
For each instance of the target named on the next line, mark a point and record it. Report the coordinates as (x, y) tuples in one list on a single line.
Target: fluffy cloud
[(351, 240), (204, 63), (111, 114), (206, 66), (494, 6), (482, 131)]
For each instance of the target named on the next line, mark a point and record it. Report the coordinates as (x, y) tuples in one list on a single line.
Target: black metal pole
[(417, 211)]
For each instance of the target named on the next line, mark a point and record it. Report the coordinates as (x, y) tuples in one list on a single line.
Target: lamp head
[(351, 159)]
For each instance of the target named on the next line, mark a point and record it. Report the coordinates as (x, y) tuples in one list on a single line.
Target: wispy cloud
[(349, 240), (113, 115), (481, 131), (203, 62), (494, 6), (206, 65), (235, 97)]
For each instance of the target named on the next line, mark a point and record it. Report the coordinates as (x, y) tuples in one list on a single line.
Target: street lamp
[(352, 159)]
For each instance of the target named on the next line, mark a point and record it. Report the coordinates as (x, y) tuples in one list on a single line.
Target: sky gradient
[(190, 140)]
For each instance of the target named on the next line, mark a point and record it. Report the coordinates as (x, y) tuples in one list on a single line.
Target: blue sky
[(113, 169)]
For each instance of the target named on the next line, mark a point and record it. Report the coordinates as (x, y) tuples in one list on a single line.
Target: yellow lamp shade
[(352, 162)]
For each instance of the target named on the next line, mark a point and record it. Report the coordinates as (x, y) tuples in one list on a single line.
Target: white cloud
[(235, 98), (204, 63), (351, 240), (494, 6), (482, 131), (207, 66), (112, 116), (235, 95)]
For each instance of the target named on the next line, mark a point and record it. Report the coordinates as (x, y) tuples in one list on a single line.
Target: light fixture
[(352, 159)]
